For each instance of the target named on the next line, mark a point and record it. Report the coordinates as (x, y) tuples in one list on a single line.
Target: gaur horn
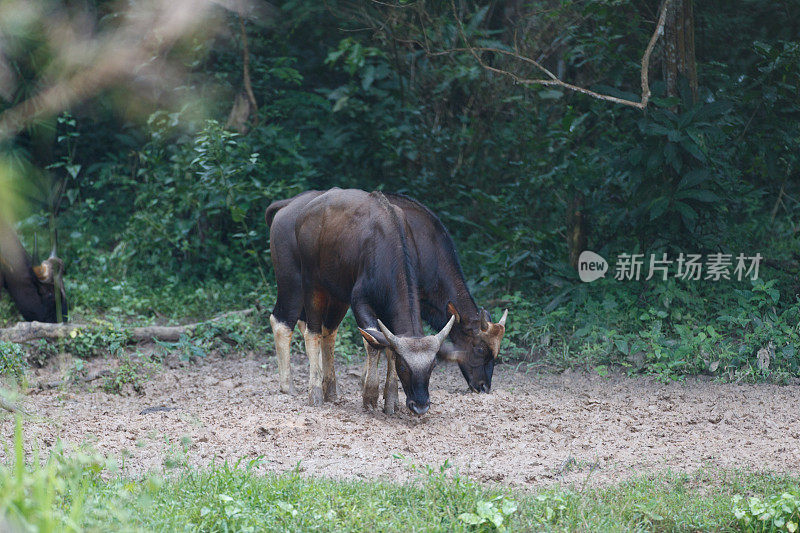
[(442, 335), (55, 245), (388, 334), (503, 318)]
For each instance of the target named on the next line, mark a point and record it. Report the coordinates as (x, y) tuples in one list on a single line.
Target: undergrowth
[(82, 491)]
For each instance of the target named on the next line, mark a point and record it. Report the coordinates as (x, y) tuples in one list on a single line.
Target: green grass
[(83, 492)]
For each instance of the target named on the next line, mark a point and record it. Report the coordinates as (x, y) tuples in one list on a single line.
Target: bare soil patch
[(532, 430)]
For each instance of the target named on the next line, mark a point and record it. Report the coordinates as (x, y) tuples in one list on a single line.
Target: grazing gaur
[(444, 292), (476, 339), (32, 288), (354, 250)]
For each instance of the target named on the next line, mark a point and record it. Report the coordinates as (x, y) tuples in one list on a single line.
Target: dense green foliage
[(84, 492), (164, 209), (12, 360)]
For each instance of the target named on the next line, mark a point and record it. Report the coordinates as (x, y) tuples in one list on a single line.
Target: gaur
[(476, 339), (31, 285), (351, 249)]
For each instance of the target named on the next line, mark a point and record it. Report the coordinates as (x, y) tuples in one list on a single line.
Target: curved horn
[(442, 335), (55, 244), (35, 258), (388, 334), (485, 319), (503, 318)]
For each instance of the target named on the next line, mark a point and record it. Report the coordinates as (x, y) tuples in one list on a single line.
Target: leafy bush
[(13, 361), (131, 370), (204, 195), (490, 515), (775, 513), (96, 340)]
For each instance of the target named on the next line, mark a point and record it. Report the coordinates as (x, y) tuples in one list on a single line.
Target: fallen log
[(86, 379), (8, 406), (25, 332)]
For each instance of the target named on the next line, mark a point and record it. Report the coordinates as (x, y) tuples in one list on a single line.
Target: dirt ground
[(532, 429)]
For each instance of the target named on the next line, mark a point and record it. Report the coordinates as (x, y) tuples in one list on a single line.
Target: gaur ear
[(448, 352), (49, 269), (44, 272), (376, 339), (486, 320), (453, 311)]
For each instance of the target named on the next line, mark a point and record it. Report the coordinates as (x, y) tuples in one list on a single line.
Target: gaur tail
[(273, 209)]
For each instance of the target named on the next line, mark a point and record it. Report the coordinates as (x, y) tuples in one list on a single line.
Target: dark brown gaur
[(31, 285), (476, 339), (353, 250), (444, 292)]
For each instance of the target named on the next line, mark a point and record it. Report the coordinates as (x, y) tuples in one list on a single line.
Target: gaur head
[(415, 358), (32, 285), (477, 344), (50, 278)]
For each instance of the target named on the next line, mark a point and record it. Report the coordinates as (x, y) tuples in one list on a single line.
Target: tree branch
[(553, 80), (106, 59), (30, 331)]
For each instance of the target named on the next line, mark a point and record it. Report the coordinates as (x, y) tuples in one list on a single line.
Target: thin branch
[(662, 17), (515, 55), (392, 5), (552, 79)]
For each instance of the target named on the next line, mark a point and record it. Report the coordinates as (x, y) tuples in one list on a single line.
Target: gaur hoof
[(315, 396), (390, 404), (329, 390)]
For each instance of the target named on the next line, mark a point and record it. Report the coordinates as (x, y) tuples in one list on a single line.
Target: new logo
[(591, 266)]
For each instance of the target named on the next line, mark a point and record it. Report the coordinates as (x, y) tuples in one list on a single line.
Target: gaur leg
[(366, 364), (333, 317), (365, 315), (390, 388), (283, 319), (289, 304), (314, 352), (283, 350), (328, 370), (371, 382), (316, 304)]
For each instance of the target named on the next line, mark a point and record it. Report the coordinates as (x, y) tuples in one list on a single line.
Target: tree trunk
[(679, 54), (576, 229), (244, 105)]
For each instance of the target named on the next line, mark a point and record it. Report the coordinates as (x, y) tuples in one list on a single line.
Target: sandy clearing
[(532, 430)]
